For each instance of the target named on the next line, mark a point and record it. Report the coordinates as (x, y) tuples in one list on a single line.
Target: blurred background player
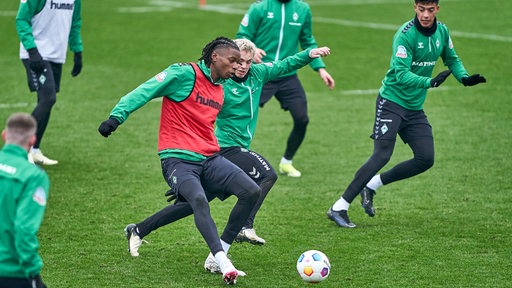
[(45, 28), (192, 98), (417, 45), (277, 27), (24, 191)]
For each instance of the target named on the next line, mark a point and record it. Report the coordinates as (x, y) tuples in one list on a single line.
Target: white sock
[(375, 183), (34, 150), (341, 204), (225, 246), (285, 161), (222, 260)]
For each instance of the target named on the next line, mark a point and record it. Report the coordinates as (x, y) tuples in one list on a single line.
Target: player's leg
[(260, 170), (387, 123), (292, 97), (419, 137), (45, 86)]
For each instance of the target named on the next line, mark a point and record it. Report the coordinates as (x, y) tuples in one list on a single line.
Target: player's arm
[(402, 61), (248, 28), (307, 40), (453, 61), (277, 69), (75, 38), (26, 11), (167, 82), (29, 215)]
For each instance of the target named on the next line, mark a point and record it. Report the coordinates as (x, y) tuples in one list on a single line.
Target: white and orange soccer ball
[(313, 266)]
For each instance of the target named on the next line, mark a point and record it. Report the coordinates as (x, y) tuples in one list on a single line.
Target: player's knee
[(426, 162), (302, 121)]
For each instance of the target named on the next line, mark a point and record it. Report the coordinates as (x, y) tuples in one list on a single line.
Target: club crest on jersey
[(437, 43), (401, 52), (245, 20), (161, 76), (384, 129), (295, 16), (39, 196)]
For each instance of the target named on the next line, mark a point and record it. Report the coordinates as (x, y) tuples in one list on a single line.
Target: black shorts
[(288, 91), (214, 173), (50, 76), (252, 163), (392, 119)]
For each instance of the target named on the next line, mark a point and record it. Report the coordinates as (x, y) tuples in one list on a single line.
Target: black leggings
[(422, 148)]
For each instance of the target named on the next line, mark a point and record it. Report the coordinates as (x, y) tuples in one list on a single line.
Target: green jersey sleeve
[(29, 215), (175, 82), (273, 70), (307, 40), (26, 11), (451, 59), (75, 38)]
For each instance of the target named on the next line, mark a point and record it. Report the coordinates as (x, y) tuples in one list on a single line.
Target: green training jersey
[(176, 83), (24, 191), (412, 62), (278, 29), (236, 121)]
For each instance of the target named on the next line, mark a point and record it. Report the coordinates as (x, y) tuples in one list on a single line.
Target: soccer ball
[(313, 266)]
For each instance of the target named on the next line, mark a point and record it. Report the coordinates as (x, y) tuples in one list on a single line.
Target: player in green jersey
[(24, 191), (45, 29), (417, 46), (277, 27)]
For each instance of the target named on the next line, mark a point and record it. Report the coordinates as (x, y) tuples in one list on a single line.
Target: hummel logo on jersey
[(61, 6), (208, 102), (420, 45), (270, 15)]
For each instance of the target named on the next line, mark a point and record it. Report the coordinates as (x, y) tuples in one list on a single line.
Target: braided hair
[(219, 42)]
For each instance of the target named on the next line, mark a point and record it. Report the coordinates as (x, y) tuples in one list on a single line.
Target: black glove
[(108, 126), (171, 194), (439, 79), (38, 281), (77, 66), (473, 80), (35, 60)]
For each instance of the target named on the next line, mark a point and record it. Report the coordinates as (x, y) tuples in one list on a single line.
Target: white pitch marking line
[(13, 105)]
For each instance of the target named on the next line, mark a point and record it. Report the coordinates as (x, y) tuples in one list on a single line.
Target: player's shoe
[(340, 218), (367, 201), (230, 274), (249, 235), (134, 240), (30, 158), (39, 158), (288, 170), (210, 265)]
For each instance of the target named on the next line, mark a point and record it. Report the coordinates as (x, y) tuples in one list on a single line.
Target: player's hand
[(258, 55), (326, 77), (171, 194), (35, 61), (319, 52), (439, 79), (108, 126), (77, 66), (473, 80)]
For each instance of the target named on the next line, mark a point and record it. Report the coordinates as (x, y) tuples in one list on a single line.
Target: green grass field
[(448, 227)]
